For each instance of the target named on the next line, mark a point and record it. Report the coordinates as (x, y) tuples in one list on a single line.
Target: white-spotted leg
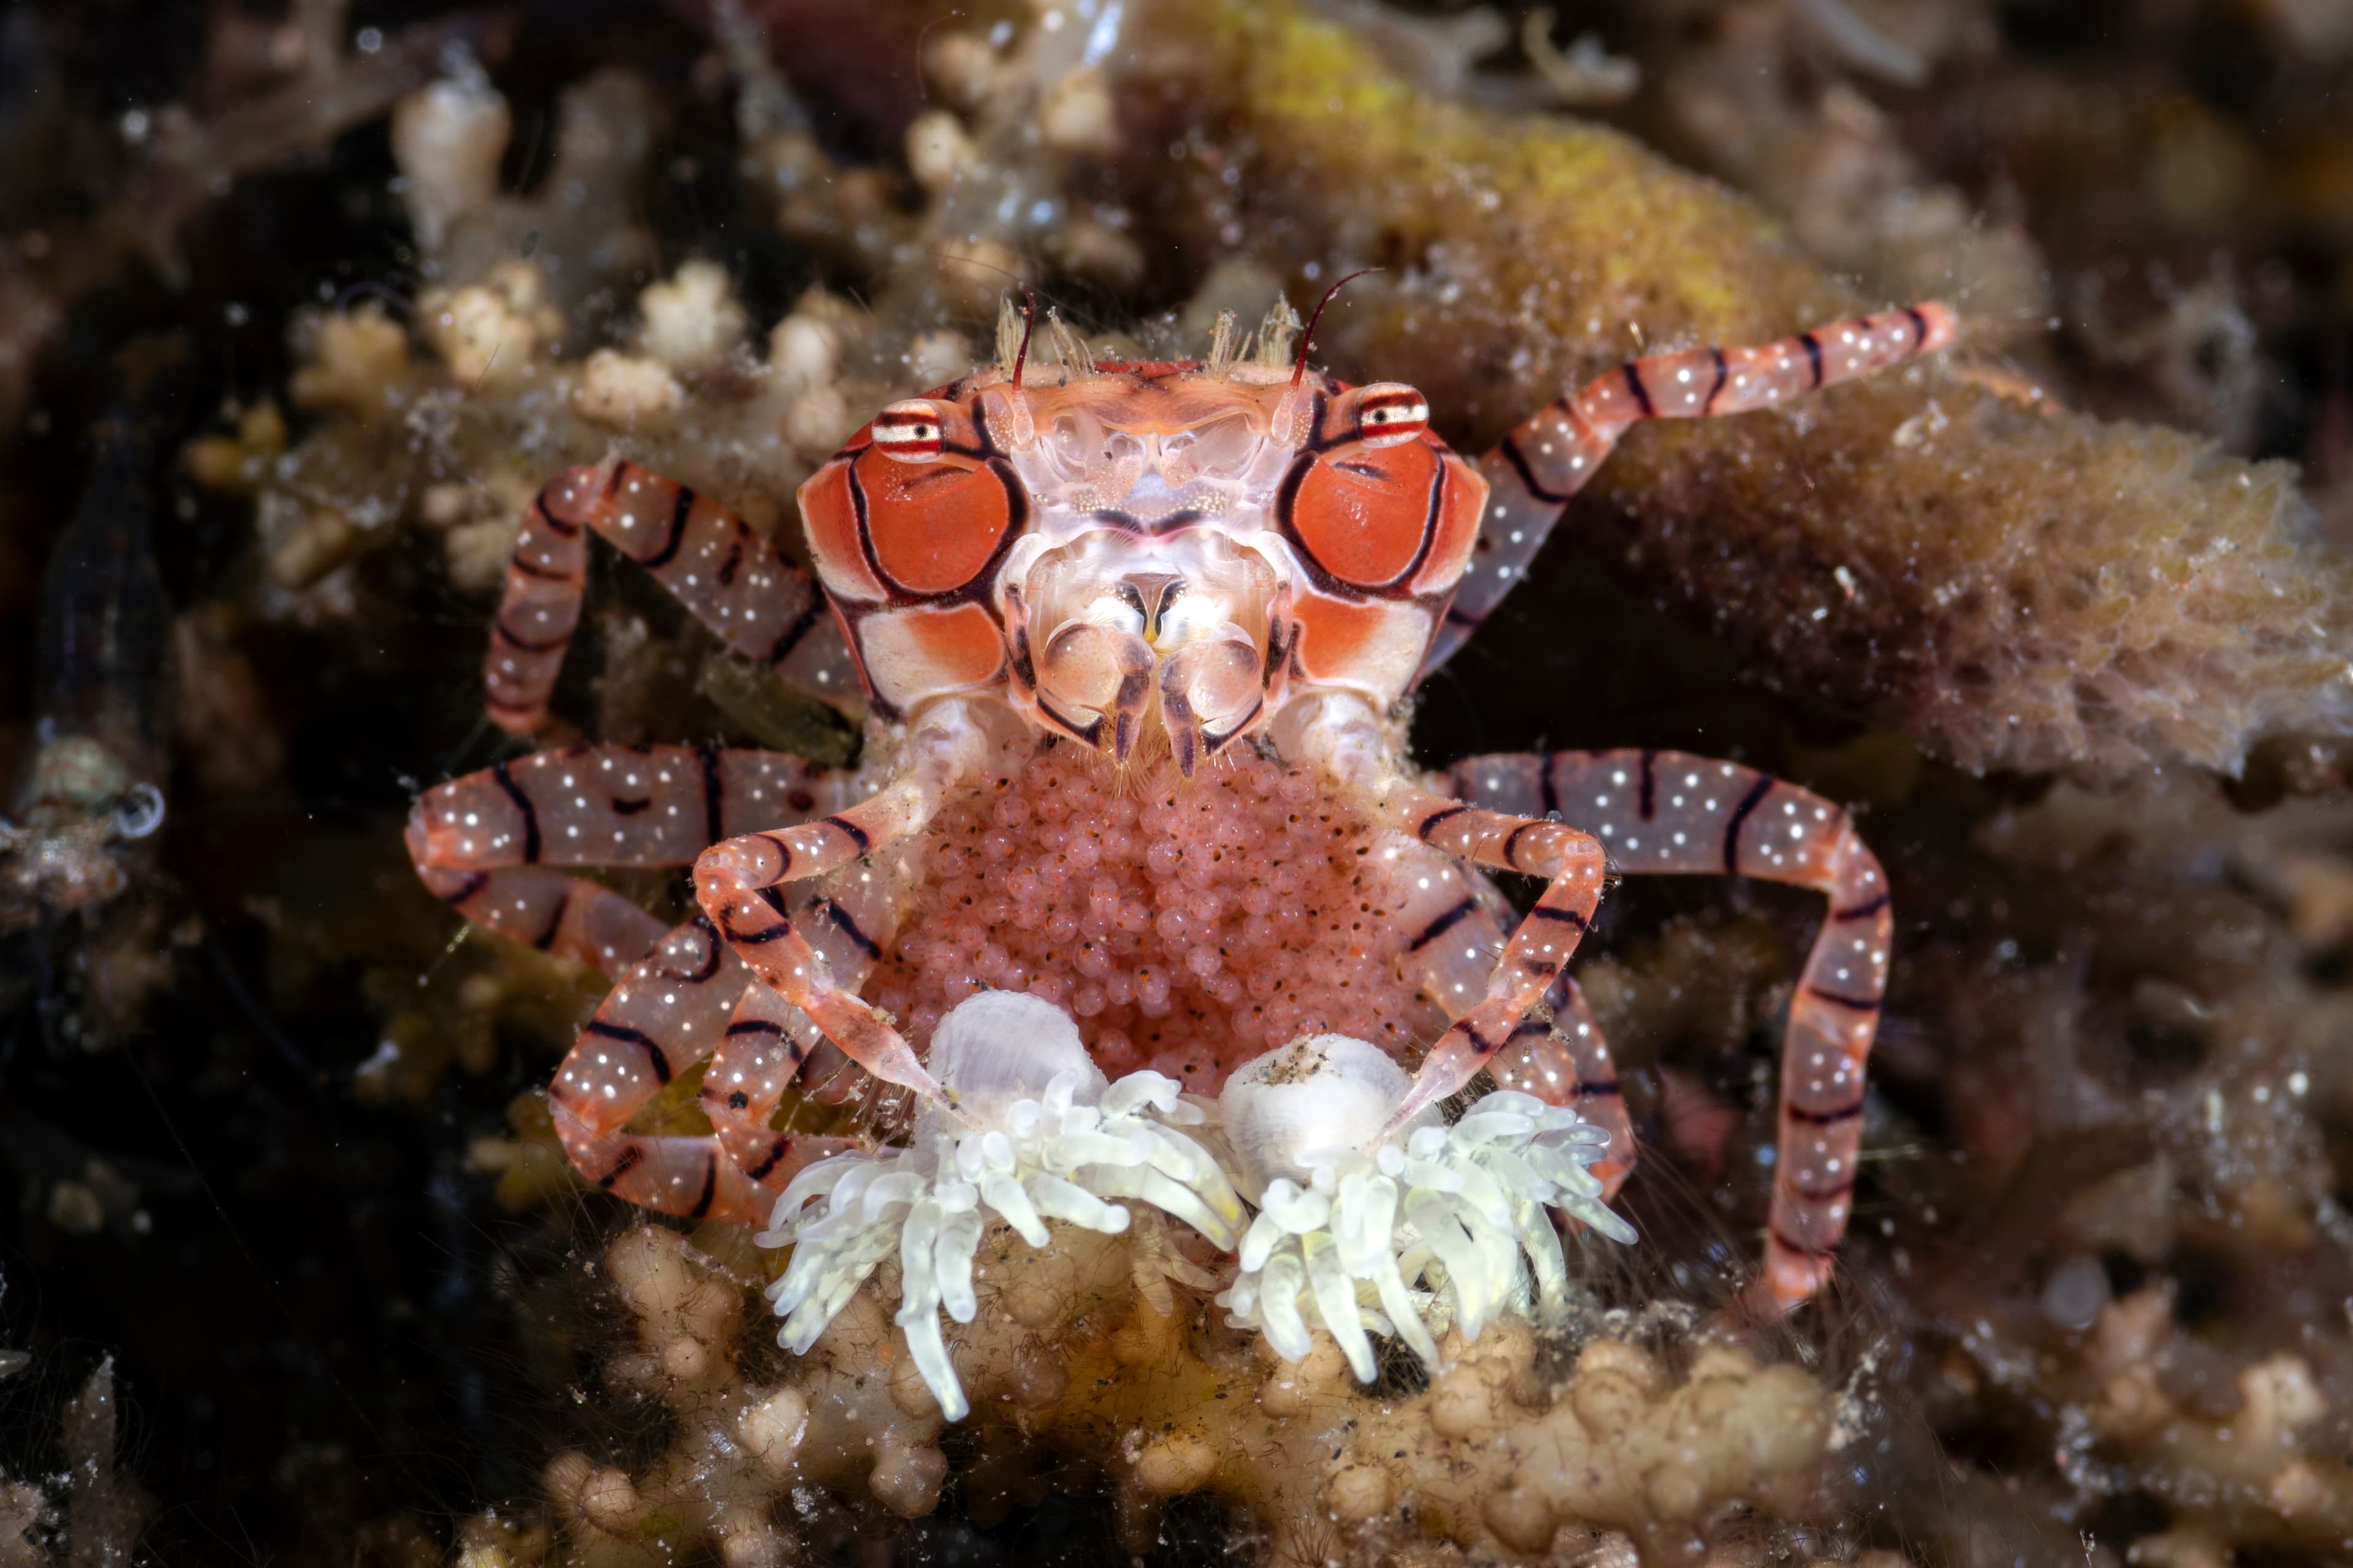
[(1534, 471), (734, 581), (1344, 736), (484, 843), (945, 749), (1670, 812)]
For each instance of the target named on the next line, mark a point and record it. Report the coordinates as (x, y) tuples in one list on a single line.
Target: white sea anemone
[(1459, 1210), (1042, 1135)]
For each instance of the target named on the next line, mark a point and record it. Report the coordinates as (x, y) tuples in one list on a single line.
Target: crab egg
[(1319, 1094), (1001, 1047)]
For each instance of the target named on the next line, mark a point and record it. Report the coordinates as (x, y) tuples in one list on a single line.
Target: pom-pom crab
[(1225, 574)]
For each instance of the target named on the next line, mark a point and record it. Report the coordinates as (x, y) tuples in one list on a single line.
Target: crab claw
[(1445, 1223), (1091, 666), (1045, 1137), (1208, 689)]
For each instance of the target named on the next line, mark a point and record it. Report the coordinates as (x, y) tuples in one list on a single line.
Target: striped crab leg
[(1534, 471), (485, 843), (734, 581), (1556, 1053), (1341, 734), (690, 999), (482, 843), (1670, 812), (946, 748)]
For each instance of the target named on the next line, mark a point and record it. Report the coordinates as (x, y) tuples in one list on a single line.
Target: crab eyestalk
[(1458, 1211)]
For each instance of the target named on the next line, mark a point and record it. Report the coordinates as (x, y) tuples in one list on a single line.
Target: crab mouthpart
[(1131, 630)]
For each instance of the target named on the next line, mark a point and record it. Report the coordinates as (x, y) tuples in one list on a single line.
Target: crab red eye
[(934, 530), (1363, 516), (1389, 413), (911, 509), (909, 432)]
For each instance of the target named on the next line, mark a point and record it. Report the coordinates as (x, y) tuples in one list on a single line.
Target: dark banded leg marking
[(790, 637), (710, 1186), (1822, 1255), (463, 888), (529, 569), (504, 774), (1739, 819), (1533, 471), (1512, 845), (655, 1059), (711, 953), (545, 939), (1442, 924), (1632, 371), (1528, 482), (715, 797), (1437, 819), (847, 924), (774, 1156), (681, 509), (1813, 357), (631, 1158)]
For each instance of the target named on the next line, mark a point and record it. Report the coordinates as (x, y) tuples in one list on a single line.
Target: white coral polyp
[(1043, 1135), (1459, 1210)]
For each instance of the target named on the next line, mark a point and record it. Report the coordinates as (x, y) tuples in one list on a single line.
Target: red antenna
[(1308, 336), (1028, 325)]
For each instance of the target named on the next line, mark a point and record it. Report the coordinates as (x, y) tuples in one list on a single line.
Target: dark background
[(330, 1342)]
